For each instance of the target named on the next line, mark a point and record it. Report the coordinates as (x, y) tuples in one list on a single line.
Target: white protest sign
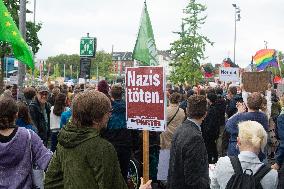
[(229, 74), (14, 80)]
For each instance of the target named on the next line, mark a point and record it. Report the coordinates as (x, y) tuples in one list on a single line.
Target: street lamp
[(237, 18)]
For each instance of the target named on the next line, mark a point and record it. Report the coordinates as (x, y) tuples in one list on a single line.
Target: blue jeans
[(54, 141)]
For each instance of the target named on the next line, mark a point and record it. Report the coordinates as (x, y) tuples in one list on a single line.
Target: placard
[(256, 81), (145, 98), (229, 74)]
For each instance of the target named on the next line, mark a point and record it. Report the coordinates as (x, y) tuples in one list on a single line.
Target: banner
[(145, 98), (256, 81), (229, 74)]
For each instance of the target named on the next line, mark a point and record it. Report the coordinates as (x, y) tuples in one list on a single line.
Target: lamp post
[(237, 18)]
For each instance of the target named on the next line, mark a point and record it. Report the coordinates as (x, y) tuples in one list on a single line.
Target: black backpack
[(245, 179)]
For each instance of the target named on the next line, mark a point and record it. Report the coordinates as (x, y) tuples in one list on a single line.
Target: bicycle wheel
[(133, 174)]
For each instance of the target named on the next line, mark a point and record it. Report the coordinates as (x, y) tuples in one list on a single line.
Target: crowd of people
[(77, 137)]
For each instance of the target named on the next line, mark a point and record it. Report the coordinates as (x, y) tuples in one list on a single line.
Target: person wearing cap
[(40, 113)]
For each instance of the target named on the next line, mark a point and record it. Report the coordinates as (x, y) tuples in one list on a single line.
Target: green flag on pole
[(145, 48), (10, 34)]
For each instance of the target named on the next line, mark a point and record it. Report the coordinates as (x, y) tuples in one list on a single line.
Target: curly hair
[(89, 106), (196, 106), (8, 112)]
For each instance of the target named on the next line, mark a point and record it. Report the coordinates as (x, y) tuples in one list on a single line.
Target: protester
[(40, 113), (188, 166), (83, 159), (117, 132), (104, 87), (52, 95), (279, 157), (19, 149), (7, 93), (252, 139), (210, 128), (55, 117), (175, 117), (232, 101), (254, 103), (24, 118), (29, 94)]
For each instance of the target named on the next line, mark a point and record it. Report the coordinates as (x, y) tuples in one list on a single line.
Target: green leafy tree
[(104, 61), (188, 50), (209, 68), (60, 60)]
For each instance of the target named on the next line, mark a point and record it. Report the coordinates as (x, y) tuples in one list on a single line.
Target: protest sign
[(256, 81), (145, 98), (229, 74)]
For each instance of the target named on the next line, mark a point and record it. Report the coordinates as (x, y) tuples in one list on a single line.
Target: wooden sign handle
[(145, 156)]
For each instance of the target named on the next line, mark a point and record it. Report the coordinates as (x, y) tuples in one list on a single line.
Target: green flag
[(10, 33), (145, 48)]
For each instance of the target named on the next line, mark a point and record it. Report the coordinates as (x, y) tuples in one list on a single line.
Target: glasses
[(43, 94)]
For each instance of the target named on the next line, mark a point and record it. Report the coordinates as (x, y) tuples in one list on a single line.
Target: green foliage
[(209, 68), (104, 61), (102, 58), (32, 37), (188, 50), (56, 64)]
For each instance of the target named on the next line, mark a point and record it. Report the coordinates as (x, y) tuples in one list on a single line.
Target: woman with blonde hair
[(252, 139)]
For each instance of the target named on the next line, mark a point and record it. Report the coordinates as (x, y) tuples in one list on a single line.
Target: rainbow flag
[(265, 58)]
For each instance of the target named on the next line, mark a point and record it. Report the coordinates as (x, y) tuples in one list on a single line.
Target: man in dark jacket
[(40, 113), (117, 132), (188, 166), (210, 129)]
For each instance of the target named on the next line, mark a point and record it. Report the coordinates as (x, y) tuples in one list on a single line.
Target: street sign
[(145, 98), (85, 68), (88, 46)]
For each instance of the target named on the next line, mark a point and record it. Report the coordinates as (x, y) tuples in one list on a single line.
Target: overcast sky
[(116, 22)]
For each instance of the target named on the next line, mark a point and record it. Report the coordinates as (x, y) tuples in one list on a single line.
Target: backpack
[(245, 179)]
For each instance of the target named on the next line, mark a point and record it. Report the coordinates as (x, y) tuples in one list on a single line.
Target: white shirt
[(224, 171), (54, 120)]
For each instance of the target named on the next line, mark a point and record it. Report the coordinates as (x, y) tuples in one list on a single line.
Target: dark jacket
[(210, 126), (38, 119), (188, 168), (280, 150), (232, 106), (116, 131), (83, 160)]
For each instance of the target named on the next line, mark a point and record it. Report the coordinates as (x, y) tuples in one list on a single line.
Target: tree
[(104, 61), (32, 37), (188, 50), (57, 63), (208, 68)]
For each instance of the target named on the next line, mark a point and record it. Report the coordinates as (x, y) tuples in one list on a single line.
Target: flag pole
[(279, 65)]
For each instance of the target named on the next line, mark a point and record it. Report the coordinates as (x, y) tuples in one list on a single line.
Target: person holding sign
[(188, 166)]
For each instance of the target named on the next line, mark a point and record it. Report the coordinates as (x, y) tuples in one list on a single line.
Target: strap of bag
[(236, 164), (173, 116), (261, 172)]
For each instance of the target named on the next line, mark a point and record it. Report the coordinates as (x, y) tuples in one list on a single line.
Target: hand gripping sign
[(145, 98)]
